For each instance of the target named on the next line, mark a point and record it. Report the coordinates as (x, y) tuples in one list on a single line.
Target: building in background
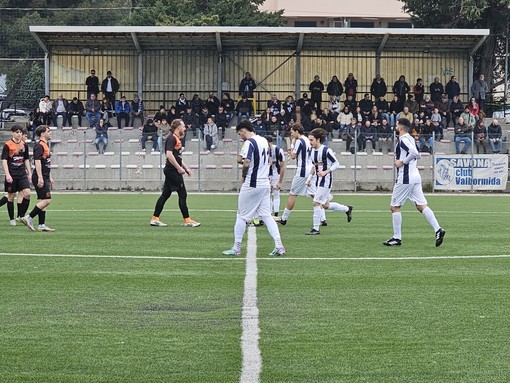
[(341, 14)]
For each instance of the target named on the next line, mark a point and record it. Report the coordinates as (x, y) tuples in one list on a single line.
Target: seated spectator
[(375, 114), (383, 107), (210, 134), (164, 129), (122, 110), (196, 104), (406, 114), (305, 104), (45, 108), (59, 108), (150, 133), (480, 135), (427, 136), (462, 134), (101, 129), (415, 131), (368, 133), (172, 114), (351, 103), (221, 120), (259, 127), (228, 106), (334, 106), (75, 108), (329, 120), (160, 115), (443, 107), (385, 135), (273, 126), (136, 110), (456, 109), (494, 133), (107, 109), (190, 119), (429, 105), (469, 118), (343, 119), (412, 105), (93, 110), (474, 108), (181, 104), (274, 105), (244, 109), (360, 117), (203, 116), (350, 135), (366, 106), (438, 127), (266, 116), (396, 108), (289, 106), (35, 121), (212, 103)]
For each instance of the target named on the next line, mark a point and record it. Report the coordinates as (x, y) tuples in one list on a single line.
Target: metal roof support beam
[(383, 43), (136, 42), (47, 74), (40, 42), (378, 53), (299, 47), (218, 42), (297, 90), (478, 45)]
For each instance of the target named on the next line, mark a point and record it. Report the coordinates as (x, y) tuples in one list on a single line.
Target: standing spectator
[(494, 133), (480, 135), (92, 83), (436, 90), (136, 110), (419, 90), (150, 133), (109, 87), (210, 134), (59, 108), (122, 110), (350, 86), (401, 88), (228, 105), (335, 88), (92, 110), (452, 88), (181, 104), (316, 88), (45, 107), (479, 89), (174, 170), (75, 108), (378, 88), (247, 86), (244, 108), (101, 129)]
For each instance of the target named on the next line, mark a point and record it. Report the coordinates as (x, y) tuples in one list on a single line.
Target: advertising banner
[(463, 172)]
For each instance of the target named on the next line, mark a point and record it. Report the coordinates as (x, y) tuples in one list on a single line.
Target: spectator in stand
[(274, 105), (429, 105), (306, 105), (335, 88), (136, 110), (59, 108), (289, 106), (92, 83), (415, 132), (107, 109), (244, 109), (221, 120), (378, 88), (172, 115), (259, 127), (494, 133), (160, 115), (382, 107), (366, 106), (368, 133), (301, 118), (181, 104), (427, 137), (351, 132), (101, 128), (375, 114), (479, 89), (210, 134), (228, 105), (474, 108), (334, 106), (122, 110), (316, 88), (406, 114), (45, 108), (468, 117), (164, 128), (351, 103), (109, 87), (401, 88), (456, 109), (150, 133), (452, 88), (462, 134), (75, 108), (436, 90), (385, 135), (437, 122), (266, 116), (190, 120), (480, 135), (329, 120), (443, 107), (203, 116), (350, 86), (396, 108), (247, 86), (212, 103), (35, 121), (412, 105), (343, 119), (92, 110), (419, 90), (359, 116), (196, 104)]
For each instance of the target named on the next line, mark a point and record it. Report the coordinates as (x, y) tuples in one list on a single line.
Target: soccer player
[(254, 197), (41, 179), (16, 166), (324, 164), (276, 173), (174, 170), (408, 185)]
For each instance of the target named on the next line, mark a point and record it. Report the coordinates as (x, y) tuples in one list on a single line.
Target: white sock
[(397, 224), (272, 228), (286, 213), (337, 207), (239, 229), (429, 214), (323, 214), (317, 217), (276, 201)]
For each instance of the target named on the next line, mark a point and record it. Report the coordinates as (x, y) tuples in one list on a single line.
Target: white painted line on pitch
[(137, 257), (252, 359)]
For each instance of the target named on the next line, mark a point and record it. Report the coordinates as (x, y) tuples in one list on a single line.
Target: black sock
[(23, 207), (42, 217), (3, 200), (10, 209), (35, 212)]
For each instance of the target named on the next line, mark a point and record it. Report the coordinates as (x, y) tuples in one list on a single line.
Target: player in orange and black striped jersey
[(41, 179), (16, 166)]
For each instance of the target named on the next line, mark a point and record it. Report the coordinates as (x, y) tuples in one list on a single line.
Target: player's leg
[(264, 212), (183, 206), (398, 198), (10, 207), (160, 203), (421, 204), (246, 210)]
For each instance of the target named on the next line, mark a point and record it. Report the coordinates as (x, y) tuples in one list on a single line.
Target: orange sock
[(154, 218), (187, 219)]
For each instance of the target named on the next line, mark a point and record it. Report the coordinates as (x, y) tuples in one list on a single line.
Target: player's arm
[(310, 176), (245, 168), (38, 170), (29, 169), (8, 177), (173, 161), (334, 164), (282, 172)]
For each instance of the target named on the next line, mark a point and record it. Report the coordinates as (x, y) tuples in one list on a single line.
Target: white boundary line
[(252, 359)]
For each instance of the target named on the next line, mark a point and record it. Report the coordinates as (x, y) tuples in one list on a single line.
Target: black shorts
[(43, 192), (173, 180), (18, 184)]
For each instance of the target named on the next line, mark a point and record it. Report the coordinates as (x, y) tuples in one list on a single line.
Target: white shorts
[(253, 203), (273, 180), (403, 192), (299, 186), (322, 195)]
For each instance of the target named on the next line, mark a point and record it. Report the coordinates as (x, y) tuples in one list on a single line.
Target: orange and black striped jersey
[(42, 153), (16, 154)]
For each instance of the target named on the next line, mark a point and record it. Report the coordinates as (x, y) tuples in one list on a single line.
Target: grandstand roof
[(139, 38)]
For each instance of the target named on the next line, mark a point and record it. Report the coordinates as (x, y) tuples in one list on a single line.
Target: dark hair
[(319, 134), (245, 124), (16, 127), (269, 138), (404, 122), (298, 128), (41, 129)]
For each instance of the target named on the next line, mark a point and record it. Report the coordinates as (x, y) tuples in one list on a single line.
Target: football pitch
[(108, 298)]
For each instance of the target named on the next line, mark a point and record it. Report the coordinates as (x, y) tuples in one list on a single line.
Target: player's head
[(245, 125), (43, 131), (17, 132), (403, 125), (297, 130), (178, 127), (317, 137), (269, 139)]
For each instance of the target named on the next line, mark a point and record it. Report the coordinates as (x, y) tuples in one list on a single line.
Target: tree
[(475, 14)]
